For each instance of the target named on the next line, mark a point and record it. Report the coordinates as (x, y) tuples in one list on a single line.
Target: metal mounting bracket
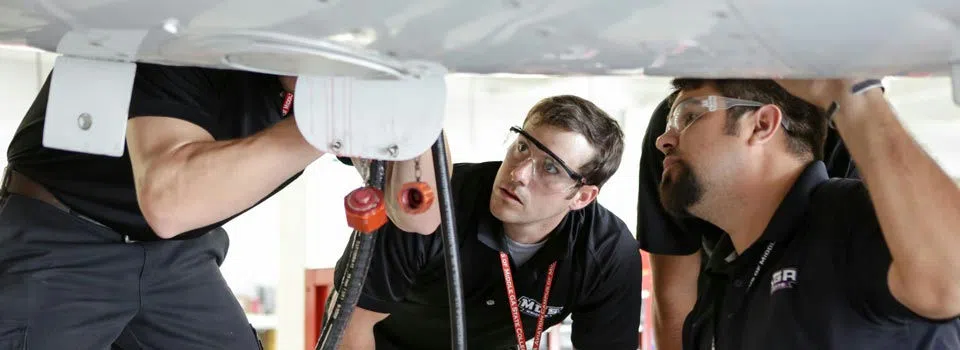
[(88, 105), (370, 118)]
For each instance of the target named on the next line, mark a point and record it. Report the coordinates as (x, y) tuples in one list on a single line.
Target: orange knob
[(415, 197), (365, 209)]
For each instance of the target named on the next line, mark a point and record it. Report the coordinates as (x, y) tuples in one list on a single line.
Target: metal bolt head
[(335, 145), (84, 121), (172, 26), (490, 302), (393, 150)]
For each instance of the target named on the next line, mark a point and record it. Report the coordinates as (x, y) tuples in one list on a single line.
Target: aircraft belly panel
[(883, 38), (375, 38)]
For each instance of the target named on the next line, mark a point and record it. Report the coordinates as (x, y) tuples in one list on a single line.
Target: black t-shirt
[(659, 232), (228, 104), (815, 279), (597, 279)]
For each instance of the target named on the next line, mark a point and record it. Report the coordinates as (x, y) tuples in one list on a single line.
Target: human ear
[(584, 195), (765, 123)]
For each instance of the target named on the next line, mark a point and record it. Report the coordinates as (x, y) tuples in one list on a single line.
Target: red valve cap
[(365, 209), (415, 197)]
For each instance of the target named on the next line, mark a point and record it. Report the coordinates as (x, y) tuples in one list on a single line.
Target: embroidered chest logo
[(783, 279), (531, 307)]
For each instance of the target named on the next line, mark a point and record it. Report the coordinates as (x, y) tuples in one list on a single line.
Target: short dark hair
[(576, 114), (807, 122)]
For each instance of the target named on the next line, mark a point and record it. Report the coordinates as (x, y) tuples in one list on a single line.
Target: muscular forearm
[(200, 183), (358, 335), (674, 295), (917, 204), (667, 328), (354, 339), (399, 173)]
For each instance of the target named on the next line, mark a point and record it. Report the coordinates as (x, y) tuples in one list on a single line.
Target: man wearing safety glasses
[(679, 246), (808, 262), (533, 243)]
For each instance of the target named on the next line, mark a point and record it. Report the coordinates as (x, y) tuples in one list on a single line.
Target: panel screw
[(393, 150), (84, 121)]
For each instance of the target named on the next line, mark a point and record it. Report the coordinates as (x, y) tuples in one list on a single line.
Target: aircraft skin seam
[(757, 37)]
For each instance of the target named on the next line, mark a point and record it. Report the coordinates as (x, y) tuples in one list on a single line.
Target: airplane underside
[(371, 72)]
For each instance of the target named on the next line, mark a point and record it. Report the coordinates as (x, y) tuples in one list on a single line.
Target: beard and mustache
[(678, 193)]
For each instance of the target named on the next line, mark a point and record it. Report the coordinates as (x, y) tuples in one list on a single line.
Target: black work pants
[(68, 283)]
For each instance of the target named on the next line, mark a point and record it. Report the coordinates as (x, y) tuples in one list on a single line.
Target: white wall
[(927, 109), (21, 76)]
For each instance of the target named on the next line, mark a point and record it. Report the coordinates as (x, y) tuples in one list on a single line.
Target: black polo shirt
[(660, 233), (228, 104), (819, 281), (597, 279)]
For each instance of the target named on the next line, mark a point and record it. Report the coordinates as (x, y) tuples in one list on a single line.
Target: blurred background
[(282, 252)]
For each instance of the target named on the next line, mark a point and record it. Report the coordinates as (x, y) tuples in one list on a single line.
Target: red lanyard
[(514, 306), (287, 104)]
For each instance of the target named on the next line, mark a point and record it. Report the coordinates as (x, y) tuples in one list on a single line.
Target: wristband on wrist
[(863, 86), (856, 89)]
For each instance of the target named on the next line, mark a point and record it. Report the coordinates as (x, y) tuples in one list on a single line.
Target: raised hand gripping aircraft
[(372, 70)]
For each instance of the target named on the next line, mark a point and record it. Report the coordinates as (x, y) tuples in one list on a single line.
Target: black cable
[(451, 247), (341, 302)]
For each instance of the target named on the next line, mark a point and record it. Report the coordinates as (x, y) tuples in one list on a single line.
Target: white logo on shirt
[(783, 279), (531, 307)]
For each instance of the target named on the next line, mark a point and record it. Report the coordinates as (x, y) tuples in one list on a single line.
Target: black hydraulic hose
[(341, 302), (451, 247)]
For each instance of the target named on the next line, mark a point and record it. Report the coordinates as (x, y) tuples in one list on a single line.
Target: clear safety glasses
[(548, 170), (690, 110)]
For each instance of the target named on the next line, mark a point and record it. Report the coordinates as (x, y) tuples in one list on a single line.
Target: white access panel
[(370, 118)]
